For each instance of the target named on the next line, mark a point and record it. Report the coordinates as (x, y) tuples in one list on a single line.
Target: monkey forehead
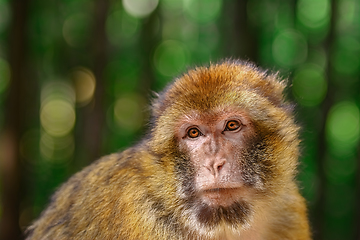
[(210, 87), (245, 104), (214, 116)]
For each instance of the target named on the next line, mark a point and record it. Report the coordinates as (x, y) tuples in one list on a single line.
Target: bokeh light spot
[(171, 57), (309, 85), (57, 117), (4, 74), (317, 56), (347, 13), (120, 25), (209, 37), (339, 169), (4, 14), (203, 11), (346, 62), (313, 13), (289, 48), (57, 113), (342, 126), (57, 90), (76, 29), (128, 112), (261, 12), (173, 5), (56, 150), (84, 84), (129, 25), (346, 59), (140, 8)]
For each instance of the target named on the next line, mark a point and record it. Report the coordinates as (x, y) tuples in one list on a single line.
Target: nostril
[(219, 166)]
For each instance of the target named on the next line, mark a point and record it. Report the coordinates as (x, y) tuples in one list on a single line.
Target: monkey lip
[(221, 196)]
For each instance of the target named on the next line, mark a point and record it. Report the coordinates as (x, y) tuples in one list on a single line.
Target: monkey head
[(221, 131)]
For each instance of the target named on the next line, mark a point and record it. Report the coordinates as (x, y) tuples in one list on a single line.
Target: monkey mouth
[(221, 196), (218, 190)]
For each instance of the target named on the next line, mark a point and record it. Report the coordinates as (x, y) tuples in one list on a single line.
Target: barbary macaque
[(219, 162)]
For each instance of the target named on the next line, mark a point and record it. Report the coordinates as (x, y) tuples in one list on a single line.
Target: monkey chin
[(225, 203), (222, 205)]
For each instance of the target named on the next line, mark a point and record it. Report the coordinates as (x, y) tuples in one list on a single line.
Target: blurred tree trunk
[(95, 113), (15, 118), (318, 215), (149, 39), (239, 40)]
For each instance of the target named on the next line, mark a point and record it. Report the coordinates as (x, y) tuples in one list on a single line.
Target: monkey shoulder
[(102, 188), (117, 168)]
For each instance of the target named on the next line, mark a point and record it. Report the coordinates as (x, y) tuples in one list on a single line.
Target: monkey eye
[(193, 133), (232, 125)]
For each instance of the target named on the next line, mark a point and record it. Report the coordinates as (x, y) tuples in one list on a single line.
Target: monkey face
[(224, 156), (215, 143)]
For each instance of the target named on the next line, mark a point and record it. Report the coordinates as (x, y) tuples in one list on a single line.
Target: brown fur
[(146, 192)]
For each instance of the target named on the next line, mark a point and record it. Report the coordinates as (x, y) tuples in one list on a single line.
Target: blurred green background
[(77, 76)]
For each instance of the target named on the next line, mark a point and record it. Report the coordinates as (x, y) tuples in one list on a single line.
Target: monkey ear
[(157, 103)]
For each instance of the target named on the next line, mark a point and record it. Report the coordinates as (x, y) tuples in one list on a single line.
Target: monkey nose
[(216, 166)]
